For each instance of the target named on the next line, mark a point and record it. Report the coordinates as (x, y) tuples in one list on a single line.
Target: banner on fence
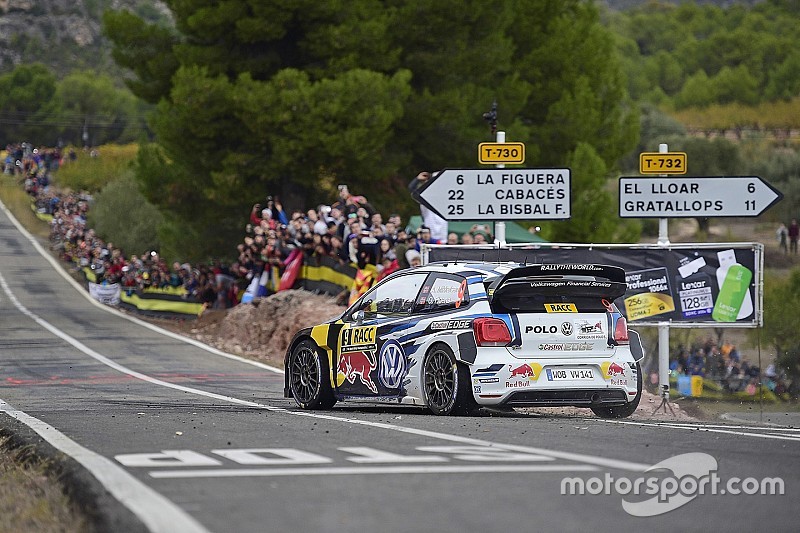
[(105, 293)]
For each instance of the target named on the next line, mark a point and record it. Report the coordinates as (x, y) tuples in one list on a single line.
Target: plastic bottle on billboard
[(734, 300)]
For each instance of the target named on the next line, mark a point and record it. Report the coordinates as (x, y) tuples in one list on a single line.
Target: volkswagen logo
[(566, 328)]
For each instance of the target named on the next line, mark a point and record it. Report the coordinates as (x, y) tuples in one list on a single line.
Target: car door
[(369, 359)]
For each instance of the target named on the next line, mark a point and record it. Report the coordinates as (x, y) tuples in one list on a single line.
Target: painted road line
[(700, 428), (587, 459), (155, 511), (64, 274), (368, 470), (775, 427)]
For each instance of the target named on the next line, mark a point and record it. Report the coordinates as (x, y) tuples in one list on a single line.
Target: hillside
[(63, 34)]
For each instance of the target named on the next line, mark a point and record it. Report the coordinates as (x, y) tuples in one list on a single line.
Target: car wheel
[(623, 411), (446, 383), (308, 377)]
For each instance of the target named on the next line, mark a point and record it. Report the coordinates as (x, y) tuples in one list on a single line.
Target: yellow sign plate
[(500, 153), (658, 163)]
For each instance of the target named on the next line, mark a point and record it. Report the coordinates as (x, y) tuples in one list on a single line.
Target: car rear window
[(523, 299)]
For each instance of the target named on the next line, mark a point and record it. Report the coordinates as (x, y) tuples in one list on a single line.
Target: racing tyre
[(623, 411), (309, 377), (446, 383)]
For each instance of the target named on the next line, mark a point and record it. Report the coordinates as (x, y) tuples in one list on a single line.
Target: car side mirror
[(359, 316)]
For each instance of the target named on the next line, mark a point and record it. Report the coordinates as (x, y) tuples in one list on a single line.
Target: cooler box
[(697, 386), (685, 385)]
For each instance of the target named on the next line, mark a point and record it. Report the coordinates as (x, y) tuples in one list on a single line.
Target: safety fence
[(323, 275)]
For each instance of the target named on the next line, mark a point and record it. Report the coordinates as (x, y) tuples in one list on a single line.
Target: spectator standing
[(782, 233), (437, 224), (794, 234)]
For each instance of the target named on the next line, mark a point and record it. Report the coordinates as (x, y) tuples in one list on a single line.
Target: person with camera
[(437, 225)]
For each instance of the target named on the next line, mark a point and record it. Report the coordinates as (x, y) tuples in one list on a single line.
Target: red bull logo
[(357, 365), (615, 370), (522, 371)]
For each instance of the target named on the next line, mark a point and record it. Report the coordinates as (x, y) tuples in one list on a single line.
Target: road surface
[(186, 438)]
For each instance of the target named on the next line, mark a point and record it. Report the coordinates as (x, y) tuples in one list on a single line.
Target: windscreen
[(526, 297)]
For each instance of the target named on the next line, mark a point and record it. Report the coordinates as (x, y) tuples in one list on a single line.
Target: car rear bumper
[(566, 397)]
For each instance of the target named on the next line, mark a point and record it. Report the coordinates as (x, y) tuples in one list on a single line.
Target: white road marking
[(588, 459), (709, 429), (155, 511), (363, 470)]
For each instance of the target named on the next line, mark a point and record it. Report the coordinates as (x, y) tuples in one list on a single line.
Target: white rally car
[(455, 336)]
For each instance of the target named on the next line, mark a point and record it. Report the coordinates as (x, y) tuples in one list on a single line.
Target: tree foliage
[(781, 321), (136, 231), (257, 98), (699, 54), (36, 107)]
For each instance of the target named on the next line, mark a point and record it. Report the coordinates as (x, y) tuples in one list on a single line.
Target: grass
[(93, 173), (30, 498), (19, 203)]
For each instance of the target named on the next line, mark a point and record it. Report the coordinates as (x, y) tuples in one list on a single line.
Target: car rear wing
[(600, 281)]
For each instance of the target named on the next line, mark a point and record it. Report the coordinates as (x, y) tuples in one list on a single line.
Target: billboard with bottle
[(713, 285)]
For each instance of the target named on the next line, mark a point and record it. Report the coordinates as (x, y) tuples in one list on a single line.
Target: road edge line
[(155, 511)]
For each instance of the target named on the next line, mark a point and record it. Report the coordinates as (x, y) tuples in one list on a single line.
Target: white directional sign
[(499, 194), (682, 197)]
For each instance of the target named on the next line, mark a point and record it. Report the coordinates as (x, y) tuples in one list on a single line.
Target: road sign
[(668, 197), (499, 194), (501, 153), (662, 163)]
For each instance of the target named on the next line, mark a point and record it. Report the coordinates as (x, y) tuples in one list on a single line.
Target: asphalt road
[(190, 440)]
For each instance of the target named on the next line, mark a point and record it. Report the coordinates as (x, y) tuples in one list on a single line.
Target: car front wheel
[(308, 377), (446, 383)]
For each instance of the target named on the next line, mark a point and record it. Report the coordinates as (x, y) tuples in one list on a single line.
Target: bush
[(120, 214), (94, 173)]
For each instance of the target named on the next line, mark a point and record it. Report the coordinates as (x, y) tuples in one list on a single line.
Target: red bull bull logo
[(615, 370), (521, 371), (357, 365)]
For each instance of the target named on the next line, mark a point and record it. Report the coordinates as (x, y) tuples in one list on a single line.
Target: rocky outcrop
[(63, 34)]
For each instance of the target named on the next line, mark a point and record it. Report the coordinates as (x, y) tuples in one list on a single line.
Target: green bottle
[(731, 294)]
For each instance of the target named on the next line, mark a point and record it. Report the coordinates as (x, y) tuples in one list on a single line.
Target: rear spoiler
[(607, 281)]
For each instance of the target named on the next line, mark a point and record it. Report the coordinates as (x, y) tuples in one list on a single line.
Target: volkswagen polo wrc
[(454, 337)]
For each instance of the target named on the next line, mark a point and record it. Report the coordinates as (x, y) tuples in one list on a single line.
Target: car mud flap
[(467, 348), (637, 350)]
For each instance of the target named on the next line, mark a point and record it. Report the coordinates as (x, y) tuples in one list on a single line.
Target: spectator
[(782, 233), (437, 224), (414, 258), (794, 234)]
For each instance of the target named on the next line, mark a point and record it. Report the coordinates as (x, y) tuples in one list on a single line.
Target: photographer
[(437, 225)]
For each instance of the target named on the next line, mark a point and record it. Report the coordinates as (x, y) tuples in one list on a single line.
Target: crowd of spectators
[(726, 365), (349, 231)]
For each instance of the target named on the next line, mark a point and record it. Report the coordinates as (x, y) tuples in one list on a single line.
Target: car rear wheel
[(446, 383), (623, 411), (309, 378)]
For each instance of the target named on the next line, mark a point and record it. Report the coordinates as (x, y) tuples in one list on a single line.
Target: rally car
[(455, 336)]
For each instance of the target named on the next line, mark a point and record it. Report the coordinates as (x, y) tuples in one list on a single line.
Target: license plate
[(569, 374)]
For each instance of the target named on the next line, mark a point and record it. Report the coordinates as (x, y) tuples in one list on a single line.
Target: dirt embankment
[(263, 329)]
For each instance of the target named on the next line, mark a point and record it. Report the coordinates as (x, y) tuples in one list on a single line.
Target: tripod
[(664, 401)]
